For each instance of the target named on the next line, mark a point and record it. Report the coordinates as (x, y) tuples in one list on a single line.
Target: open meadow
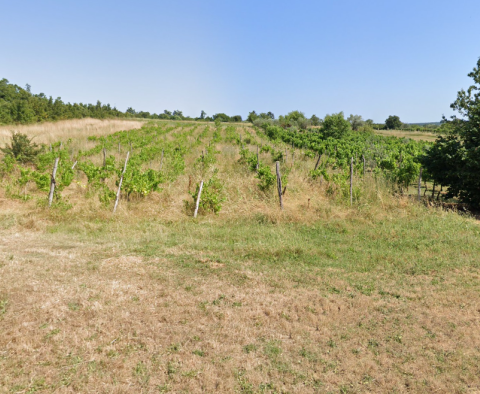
[(376, 294)]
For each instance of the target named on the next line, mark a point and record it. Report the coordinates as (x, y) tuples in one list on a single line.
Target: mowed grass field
[(320, 298)]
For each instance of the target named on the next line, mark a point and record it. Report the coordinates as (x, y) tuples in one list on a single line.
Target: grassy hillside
[(381, 296)]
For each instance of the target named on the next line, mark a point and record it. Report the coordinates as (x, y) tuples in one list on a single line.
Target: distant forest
[(20, 106)]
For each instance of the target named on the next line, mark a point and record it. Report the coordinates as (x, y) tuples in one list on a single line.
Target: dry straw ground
[(322, 298), (76, 129)]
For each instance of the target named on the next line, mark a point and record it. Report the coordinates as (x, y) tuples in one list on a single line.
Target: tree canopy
[(393, 122), (335, 126), (454, 160)]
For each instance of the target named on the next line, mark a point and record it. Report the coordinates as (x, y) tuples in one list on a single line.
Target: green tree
[(356, 121), (222, 117), (316, 121), (236, 118), (21, 148), (252, 116), (393, 123), (335, 126), (454, 160)]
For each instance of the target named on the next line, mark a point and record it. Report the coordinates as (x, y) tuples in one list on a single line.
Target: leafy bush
[(266, 176), (21, 148), (211, 198), (335, 126)]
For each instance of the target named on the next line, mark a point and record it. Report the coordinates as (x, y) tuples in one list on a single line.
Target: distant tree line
[(19, 105)]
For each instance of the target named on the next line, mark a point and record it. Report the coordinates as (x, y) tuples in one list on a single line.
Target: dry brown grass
[(76, 129), (97, 317), (414, 135)]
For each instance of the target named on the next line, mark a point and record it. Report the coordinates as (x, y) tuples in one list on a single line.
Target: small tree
[(335, 126), (356, 121), (316, 121), (252, 116), (393, 123), (21, 148), (236, 118)]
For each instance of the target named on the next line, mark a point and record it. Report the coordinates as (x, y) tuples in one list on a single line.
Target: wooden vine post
[(120, 183), (419, 184), (318, 161), (351, 181), (258, 161), (52, 182), (279, 184), (197, 203)]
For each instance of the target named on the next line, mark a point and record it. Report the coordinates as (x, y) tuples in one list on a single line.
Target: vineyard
[(161, 153), (310, 266)]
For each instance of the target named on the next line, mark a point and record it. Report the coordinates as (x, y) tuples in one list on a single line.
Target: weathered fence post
[(351, 181), (52, 182), (279, 184), (120, 183), (318, 161), (74, 164), (197, 203), (420, 184), (104, 157), (258, 160)]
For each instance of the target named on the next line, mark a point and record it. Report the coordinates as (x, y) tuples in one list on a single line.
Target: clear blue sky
[(374, 57)]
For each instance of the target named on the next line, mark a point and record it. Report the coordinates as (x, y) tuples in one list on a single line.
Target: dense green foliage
[(393, 122), (395, 158), (454, 160), (19, 105), (22, 148)]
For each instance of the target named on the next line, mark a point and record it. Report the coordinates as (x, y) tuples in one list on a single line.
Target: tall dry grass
[(76, 129)]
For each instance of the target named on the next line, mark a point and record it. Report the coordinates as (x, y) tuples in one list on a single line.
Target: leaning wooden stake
[(351, 181), (318, 162), (420, 184), (120, 183), (74, 164), (279, 185), (52, 182), (198, 199)]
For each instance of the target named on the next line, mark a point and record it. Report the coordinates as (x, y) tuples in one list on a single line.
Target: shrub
[(22, 148), (211, 198)]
